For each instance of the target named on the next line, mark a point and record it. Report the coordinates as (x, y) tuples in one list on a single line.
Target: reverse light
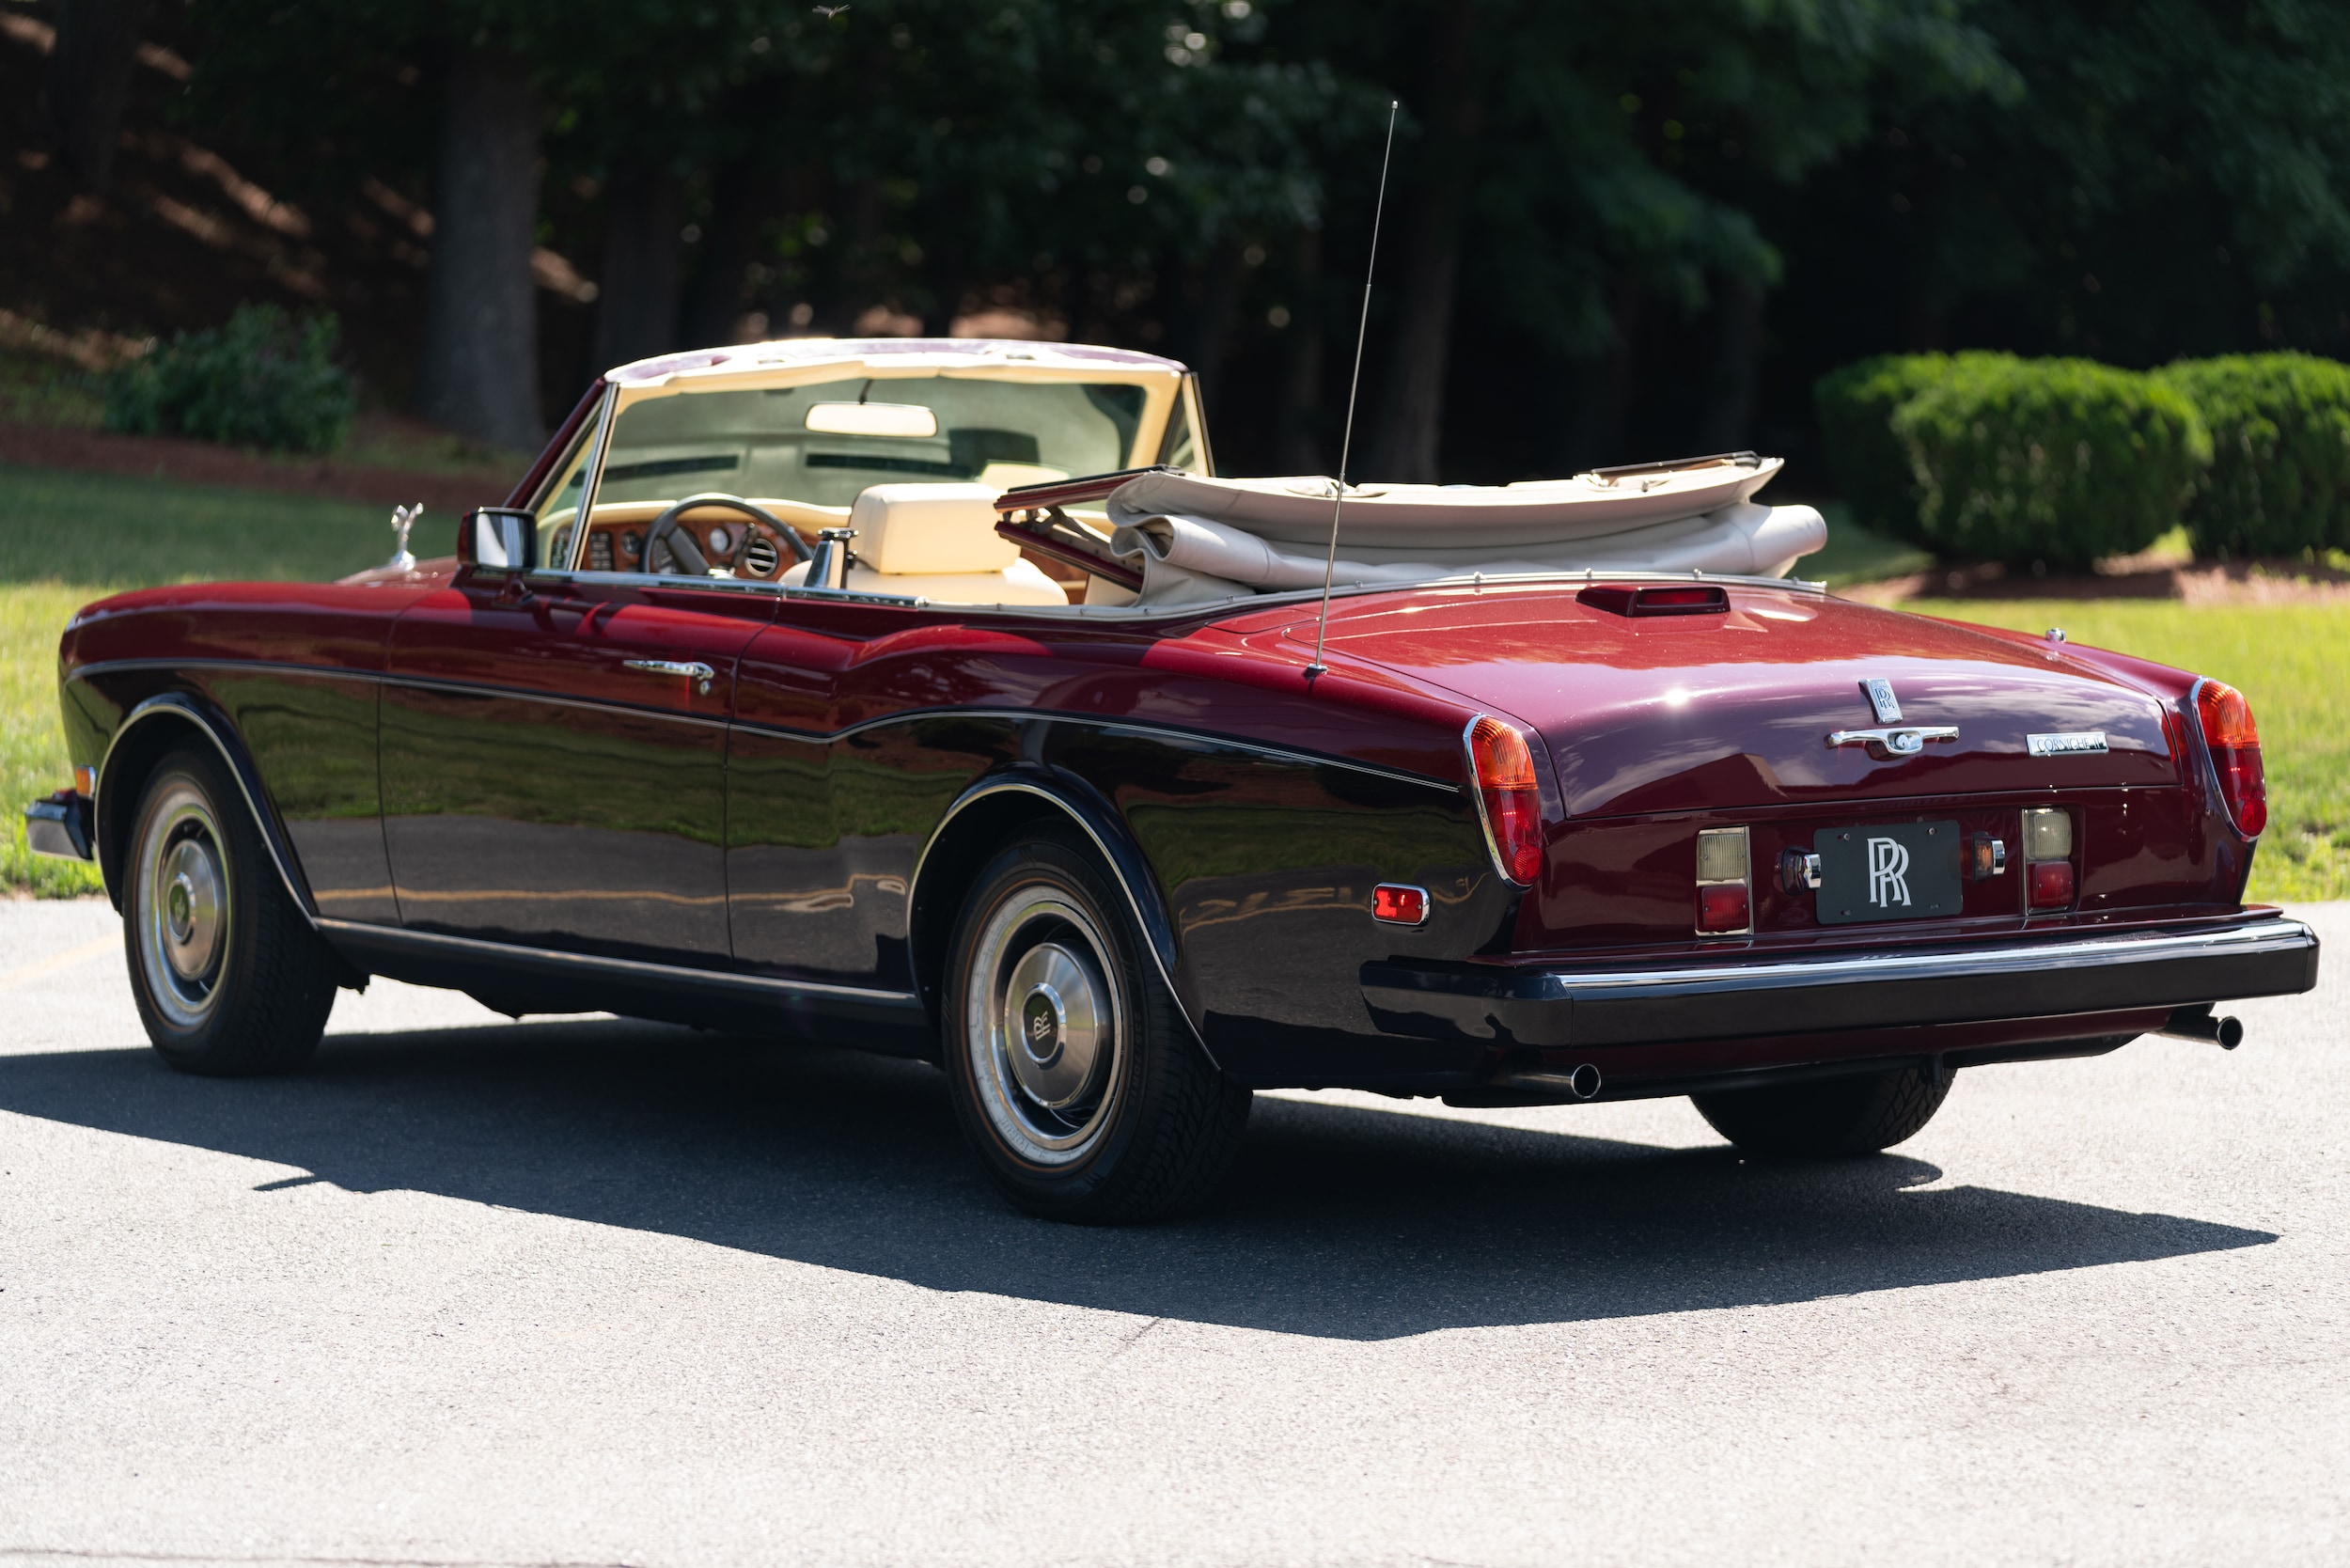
[(1508, 800), (1399, 904), (2047, 833), (1724, 890), (2233, 742)]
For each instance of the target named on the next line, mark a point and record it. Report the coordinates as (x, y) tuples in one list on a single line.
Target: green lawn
[(66, 538), (2291, 661)]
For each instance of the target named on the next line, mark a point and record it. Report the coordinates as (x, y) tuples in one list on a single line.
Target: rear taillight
[(2234, 744), (1507, 798)]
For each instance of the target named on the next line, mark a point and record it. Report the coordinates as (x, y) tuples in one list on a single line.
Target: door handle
[(693, 669)]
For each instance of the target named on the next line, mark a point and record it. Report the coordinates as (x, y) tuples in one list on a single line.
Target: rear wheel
[(228, 977), (1827, 1117), (1075, 1077)]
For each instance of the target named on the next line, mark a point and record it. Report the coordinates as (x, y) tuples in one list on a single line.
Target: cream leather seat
[(939, 542)]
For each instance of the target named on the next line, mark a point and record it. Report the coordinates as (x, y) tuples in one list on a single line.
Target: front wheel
[(1827, 1117), (228, 977), (1075, 1077)]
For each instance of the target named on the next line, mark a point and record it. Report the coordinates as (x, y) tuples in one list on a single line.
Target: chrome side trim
[(590, 964), (1305, 759), (181, 706), (2276, 935)]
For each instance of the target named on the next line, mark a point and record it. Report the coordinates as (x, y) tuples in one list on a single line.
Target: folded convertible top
[(1191, 537)]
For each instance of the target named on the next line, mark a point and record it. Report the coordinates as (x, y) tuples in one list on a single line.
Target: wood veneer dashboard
[(616, 535)]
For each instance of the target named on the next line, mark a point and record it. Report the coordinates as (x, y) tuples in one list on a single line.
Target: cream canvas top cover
[(1197, 538)]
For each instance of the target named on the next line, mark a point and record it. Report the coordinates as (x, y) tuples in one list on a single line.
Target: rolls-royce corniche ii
[(936, 698)]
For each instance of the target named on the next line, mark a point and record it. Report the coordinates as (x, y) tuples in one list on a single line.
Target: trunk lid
[(1734, 710)]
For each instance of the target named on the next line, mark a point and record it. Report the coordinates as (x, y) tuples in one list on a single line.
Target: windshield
[(759, 442)]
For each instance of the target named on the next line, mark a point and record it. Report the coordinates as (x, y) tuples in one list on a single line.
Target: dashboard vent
[(760, 555)]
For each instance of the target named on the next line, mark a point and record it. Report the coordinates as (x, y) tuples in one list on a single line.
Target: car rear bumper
[(1757, 998), (59, 827)]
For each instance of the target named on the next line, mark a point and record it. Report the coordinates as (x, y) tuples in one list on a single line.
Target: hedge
[(2279, 478), (264, 380), (2054, 461), (1856, 405)]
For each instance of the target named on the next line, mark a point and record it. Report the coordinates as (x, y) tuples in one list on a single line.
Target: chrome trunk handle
[(1903, 741), (693, 669)]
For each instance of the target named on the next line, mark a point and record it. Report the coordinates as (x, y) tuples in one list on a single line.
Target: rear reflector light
[(1725, 910), (1507, 798), (2051, 883), (1398, 905), (1697, 599), (1725, 886), (2234, 744)]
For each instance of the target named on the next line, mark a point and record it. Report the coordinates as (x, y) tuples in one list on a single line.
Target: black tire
[(1077, 1117), (229, 978), (1827, 1117)]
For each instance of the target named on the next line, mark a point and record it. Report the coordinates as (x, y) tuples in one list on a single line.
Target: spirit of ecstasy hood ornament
[(403, 519)]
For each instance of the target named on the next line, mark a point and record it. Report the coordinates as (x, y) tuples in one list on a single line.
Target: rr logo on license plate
[(1900, 871)]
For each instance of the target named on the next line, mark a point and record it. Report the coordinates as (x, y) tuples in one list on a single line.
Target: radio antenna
[(1353, 386)]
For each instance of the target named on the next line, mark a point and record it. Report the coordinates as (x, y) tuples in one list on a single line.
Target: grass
[(1854, 554), (66, 539), (2291, 660)]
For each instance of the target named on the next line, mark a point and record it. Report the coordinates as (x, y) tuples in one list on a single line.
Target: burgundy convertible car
[(933, 698)]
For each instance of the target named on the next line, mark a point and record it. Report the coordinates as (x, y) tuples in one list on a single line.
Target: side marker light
[(1399, 904)]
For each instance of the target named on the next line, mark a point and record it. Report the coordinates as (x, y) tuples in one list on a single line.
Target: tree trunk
[(747, 195), (1209, 341), (1595, 425), (1297, 439), (479, 371), (1407, 445), (89, 82), (636, 312), (1737, 350)]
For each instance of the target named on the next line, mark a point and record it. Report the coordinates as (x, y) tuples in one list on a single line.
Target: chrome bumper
[(1770, 998), (59, 827)]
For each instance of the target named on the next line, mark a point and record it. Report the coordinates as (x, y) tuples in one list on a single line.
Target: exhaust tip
[(1583, 1083), (2196, 1022)]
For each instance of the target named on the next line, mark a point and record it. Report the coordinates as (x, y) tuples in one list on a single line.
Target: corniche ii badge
[(1906, 741), (2071, 742)]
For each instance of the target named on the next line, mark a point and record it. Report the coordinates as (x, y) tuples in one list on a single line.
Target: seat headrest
[(929, 530)]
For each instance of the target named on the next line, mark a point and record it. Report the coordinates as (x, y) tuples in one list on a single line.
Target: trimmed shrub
[(2059, 461), (1857, 403), (2280, 478), (264, 380)]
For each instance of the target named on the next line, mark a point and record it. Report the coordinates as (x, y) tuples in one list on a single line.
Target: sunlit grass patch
[(2291, 661)]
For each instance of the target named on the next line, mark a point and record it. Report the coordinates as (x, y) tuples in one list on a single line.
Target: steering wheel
[(686, 550)]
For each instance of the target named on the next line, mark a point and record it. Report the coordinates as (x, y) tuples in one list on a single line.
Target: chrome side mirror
[(499, 538)]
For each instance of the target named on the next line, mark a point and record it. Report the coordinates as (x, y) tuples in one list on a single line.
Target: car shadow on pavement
[(1341, 1222)]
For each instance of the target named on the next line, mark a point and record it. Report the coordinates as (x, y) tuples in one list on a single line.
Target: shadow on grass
[(1341, 1222)]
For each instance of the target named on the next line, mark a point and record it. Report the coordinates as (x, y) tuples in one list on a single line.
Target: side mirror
[(499, 538)]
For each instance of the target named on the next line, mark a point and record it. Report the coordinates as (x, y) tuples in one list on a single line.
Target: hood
[(1706, 712)]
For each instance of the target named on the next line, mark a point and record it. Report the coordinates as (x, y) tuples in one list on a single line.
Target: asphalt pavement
[(473, 1292)]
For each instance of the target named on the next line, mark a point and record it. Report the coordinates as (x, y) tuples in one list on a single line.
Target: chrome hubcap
[(1044, 1027), (182, 893)]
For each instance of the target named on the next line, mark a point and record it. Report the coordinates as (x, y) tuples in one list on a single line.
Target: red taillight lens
[(1398, 905), (1504, 770), (2051, 883), (1723, 908), (2234, 744)]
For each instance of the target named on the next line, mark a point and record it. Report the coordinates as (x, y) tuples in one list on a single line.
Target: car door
[(553, 762)]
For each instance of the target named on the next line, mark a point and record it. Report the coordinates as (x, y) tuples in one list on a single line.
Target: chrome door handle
[(693, 669)]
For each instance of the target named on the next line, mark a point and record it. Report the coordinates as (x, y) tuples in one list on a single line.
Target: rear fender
[(976, 824)]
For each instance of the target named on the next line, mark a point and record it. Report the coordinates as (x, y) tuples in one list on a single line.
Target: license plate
[(1907, 871)]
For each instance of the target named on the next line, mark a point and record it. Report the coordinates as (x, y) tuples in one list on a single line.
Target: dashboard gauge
[(719, 544), (632, 544)]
